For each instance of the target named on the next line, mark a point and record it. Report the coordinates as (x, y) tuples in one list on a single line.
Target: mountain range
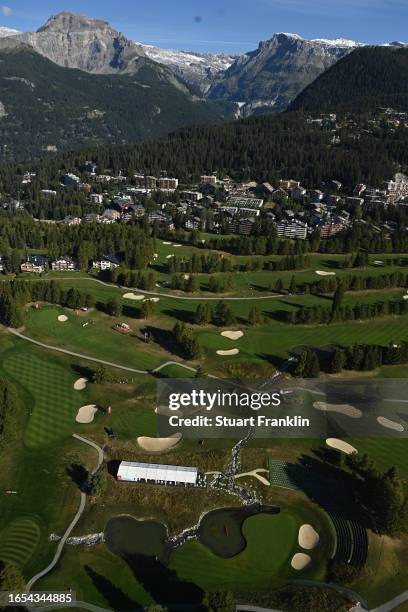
[(85, 83), (265, 79)]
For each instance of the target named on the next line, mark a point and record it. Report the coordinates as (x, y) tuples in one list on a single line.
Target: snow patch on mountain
[(8, 32), (196, 68), (338, 42)]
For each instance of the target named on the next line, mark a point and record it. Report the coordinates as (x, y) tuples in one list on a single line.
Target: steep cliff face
[(271, 76), (75, 41)]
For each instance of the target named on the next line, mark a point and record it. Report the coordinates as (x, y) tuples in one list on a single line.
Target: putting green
[(19, 541), (271, 543), (54, 405)]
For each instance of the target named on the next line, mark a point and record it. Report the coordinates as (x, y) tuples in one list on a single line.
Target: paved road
[(79, 605), (95, 359), (393, 603), (74, 521), (167, 295)]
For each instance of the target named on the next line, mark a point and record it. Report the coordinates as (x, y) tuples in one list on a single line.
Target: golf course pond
[(219, 530)]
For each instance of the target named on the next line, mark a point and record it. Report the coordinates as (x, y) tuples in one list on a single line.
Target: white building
[(292, 229), (96, 198), (130, 471), (63, 264), (107, 262)]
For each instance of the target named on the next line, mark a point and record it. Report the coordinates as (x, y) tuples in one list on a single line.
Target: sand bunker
[(340, 445), (232, 335), (170, 256), (308, 537), (234, 351), (300, 561), (80, 384), (62, 318), (133, 296), (389, 424), (177, 245), (324, 273), (86, 414), (153, 299), (187, 276), (345, 409), (405, 297), (155, 445), (166, 242)]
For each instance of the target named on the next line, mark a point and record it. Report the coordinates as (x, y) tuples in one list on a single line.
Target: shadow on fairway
[(79, 475), (82, 371), (164, 585), (180, 315), (115, 597)]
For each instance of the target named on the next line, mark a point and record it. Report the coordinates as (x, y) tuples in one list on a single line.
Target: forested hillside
[(364, 80), (262, 148), (45, 107)]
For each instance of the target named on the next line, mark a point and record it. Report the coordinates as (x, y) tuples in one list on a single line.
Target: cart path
[(96, 360), (74, 521), (197, 298)]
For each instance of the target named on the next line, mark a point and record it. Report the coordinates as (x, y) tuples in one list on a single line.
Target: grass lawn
[(19, 540), (267, 343), (264, 563), (97, 339), (97, 576), (53, 404)]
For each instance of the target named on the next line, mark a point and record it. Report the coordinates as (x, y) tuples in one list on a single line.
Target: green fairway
[(54, 403), (279, 340), (385, 452), (97, 339), (19, 541), (264, 563)]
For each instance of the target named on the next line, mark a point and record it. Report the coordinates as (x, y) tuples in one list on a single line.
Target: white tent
[(153, 472)]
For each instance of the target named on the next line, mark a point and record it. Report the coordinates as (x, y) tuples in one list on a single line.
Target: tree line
[(319, 314), (357, 357)]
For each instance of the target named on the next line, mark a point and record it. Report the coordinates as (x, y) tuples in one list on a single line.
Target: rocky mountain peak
[(75, 41), (67, 22)]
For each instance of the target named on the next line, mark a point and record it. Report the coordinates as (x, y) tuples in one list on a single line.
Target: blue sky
[(225, 25)]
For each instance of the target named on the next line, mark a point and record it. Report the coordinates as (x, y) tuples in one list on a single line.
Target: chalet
[(288, 184), (316, 195), (194, 223), (110, 215), (35, 264), (280, 194), (210, 179), (71, 180), (96, 198), (72, 220), (191, 196), (243, 226), (168, 184), (63, 264), (106, 262), (267, 187), (161, 219), (297, 193)]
